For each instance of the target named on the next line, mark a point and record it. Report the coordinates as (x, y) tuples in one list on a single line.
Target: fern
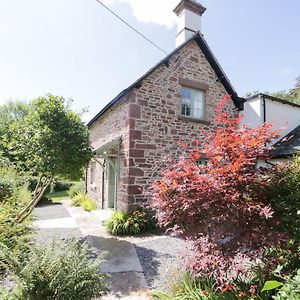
[(56, 272)]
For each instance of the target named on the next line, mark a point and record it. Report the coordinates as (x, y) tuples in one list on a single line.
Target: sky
[(77, 49)]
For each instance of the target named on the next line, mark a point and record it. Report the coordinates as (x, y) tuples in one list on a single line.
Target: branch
[(26, 211)]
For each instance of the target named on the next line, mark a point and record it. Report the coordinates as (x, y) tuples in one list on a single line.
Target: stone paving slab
[(121, 257), (56, 223), (50, 211), (127, 285), (48, 235)]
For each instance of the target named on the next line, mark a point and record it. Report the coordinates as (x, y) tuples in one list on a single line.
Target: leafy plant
[(271, 285), (5, 190), (290, 289), (75, 189), (88, 204), (82, 199), (284, 194), (61, 271), (50, 141), (14, 236), (59, 186), (220, 205), (190, 288), (130, 223)]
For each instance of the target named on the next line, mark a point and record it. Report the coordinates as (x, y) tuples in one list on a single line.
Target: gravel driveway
[(161, 258)]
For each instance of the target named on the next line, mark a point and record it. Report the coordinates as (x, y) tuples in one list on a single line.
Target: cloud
[(158, 12)]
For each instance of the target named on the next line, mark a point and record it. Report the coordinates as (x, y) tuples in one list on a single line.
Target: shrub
[(83, 200), (61, 271), (76, 201), (290, 290), (76, 189), (59, 186), (219, 205), (187, 287), (130, 223), (284, 194), (12, 235), (6, 190), (88, 204)]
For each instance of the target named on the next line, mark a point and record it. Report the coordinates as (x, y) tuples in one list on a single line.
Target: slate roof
[(199, 39), (288, 145), (273, 99)]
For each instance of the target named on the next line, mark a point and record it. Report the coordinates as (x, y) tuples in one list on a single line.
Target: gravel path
[(48, 211), (161, 258)]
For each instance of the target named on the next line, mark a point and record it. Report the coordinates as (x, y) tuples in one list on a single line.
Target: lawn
[(57, 197)]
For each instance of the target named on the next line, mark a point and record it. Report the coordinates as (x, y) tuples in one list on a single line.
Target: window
[(192, 103), (202, 161), (93, 172)]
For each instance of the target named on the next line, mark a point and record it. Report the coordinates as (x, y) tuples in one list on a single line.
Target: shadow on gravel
[(151, 262), (161, 260)]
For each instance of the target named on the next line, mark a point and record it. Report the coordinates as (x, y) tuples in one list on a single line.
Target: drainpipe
[(265, 111)]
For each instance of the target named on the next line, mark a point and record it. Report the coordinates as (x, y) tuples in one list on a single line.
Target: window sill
[(184, 118)]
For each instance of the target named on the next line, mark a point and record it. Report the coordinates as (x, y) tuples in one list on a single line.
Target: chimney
[(189, 14)]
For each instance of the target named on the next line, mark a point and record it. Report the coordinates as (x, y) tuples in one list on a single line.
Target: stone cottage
[(145, 122)]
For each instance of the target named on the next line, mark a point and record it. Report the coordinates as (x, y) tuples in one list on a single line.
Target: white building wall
[(253, 112), (283, 116)]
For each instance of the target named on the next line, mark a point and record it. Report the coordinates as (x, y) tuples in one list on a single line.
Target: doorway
[(112, 182)]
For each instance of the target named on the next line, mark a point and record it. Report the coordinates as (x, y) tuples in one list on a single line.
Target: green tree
[(292, 95), (50, 141), (10, 112)]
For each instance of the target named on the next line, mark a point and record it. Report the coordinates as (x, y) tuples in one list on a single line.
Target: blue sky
[(76, 49)]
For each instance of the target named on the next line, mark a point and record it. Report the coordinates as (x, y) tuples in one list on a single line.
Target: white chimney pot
[(189, 14)]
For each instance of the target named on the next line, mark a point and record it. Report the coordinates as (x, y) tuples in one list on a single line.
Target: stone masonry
[(150, 123)]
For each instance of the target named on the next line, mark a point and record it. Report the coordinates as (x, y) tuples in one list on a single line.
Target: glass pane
[(192, 102), (186, 93), (186, 109), (198, 102), (198, 113)]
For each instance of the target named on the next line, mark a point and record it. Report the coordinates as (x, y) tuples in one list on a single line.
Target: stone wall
[(150, 123), (109, 127), (156, 124)]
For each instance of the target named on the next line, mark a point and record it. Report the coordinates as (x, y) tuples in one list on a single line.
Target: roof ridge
[(198, 37)]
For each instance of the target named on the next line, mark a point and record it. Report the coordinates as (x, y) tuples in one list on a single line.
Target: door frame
[(110, 153), (112, 165)]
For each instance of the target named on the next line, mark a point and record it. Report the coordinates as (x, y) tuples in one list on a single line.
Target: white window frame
[(192, 114)]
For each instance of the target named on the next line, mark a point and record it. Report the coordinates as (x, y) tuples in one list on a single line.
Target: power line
[(139, 33)]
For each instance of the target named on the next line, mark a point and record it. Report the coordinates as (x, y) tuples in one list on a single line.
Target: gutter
[(265, 110)]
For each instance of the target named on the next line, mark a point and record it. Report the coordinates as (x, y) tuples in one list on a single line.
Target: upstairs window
[(192, 104)]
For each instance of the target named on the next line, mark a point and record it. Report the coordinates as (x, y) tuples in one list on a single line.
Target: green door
[(112, 182)]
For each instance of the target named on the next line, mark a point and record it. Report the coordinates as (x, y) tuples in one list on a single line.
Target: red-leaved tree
[(220, 205)]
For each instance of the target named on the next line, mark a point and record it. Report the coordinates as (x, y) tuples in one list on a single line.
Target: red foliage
[(219, 205)]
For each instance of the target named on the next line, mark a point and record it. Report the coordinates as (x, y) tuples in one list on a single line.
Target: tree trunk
[(26, 211)]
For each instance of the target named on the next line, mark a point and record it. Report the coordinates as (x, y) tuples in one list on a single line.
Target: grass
[(57, 197)]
